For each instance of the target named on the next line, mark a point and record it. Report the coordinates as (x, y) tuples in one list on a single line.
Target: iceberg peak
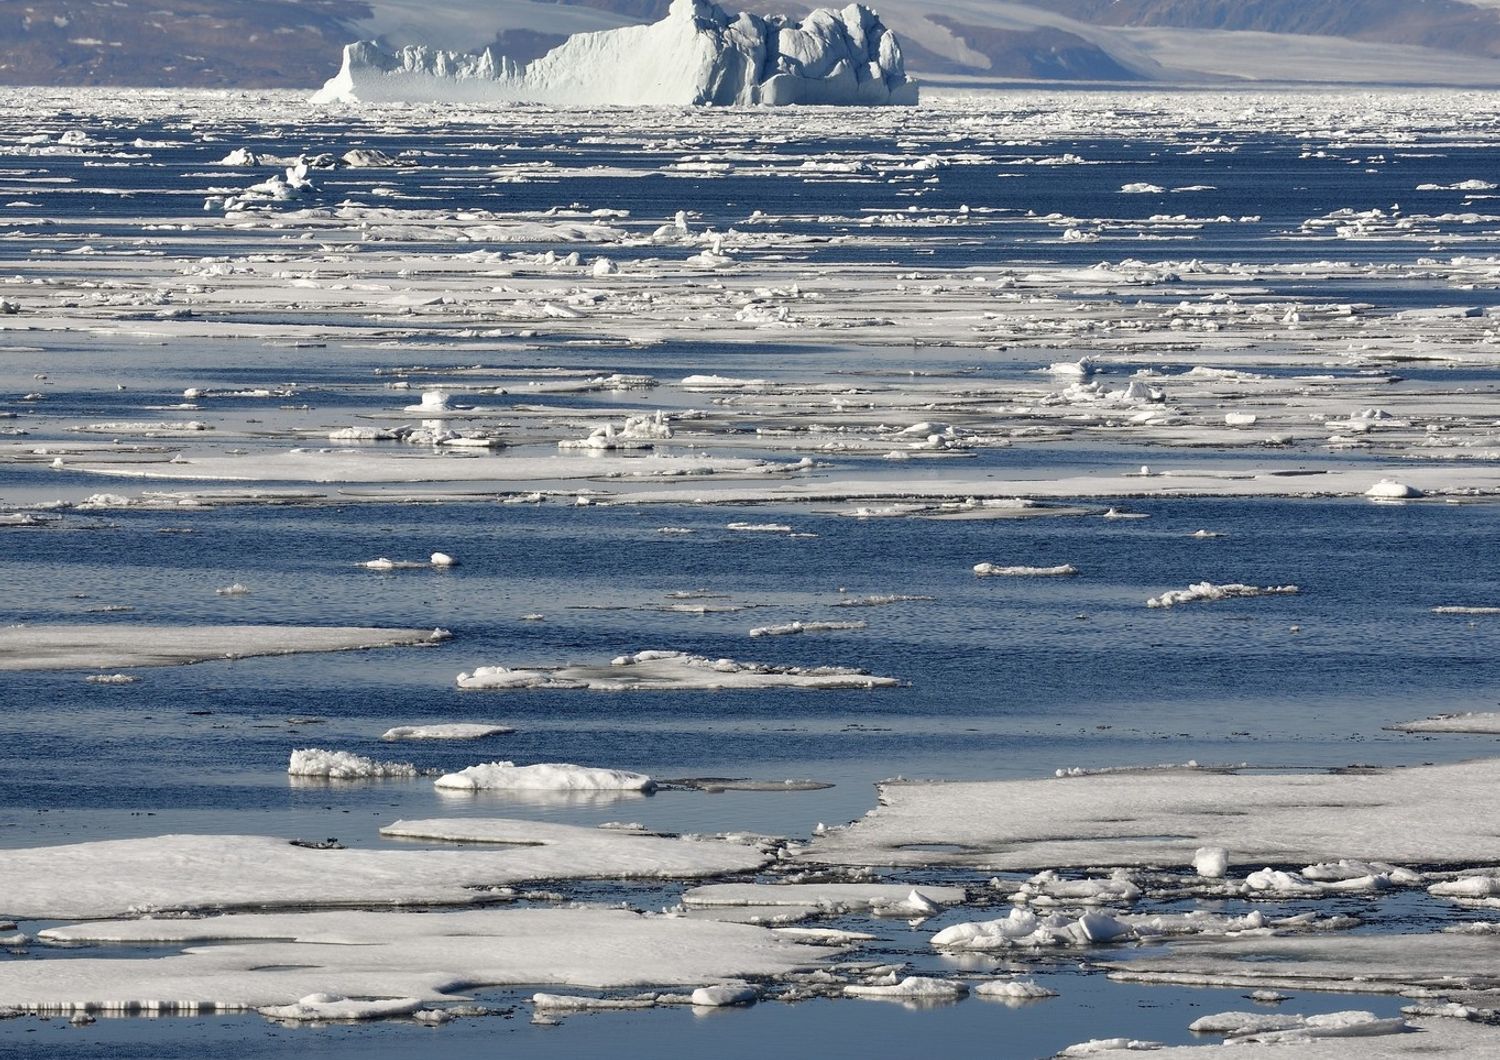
[(699, 54)]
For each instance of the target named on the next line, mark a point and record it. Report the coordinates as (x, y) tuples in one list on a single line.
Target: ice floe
[(660, 670), (50, 646), (991, 570), (1413, 815), (1207, 591), (342, 765), (189, 872), (882, 899), (547, 776), (457, 730), (313, 962)]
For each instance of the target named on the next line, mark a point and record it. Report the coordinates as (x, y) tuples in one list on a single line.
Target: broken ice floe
[(544, 776), (991, 570), (1162, 817), (659, 670), (458, 730), (311, 962), (880, 899), (46, 646), (1200, 591), (189, 872), (342, 765), (789, 628)]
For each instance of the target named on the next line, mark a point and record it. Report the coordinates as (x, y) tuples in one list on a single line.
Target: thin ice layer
[(105, 646), (129, 876), (660, 670), (245, 960), (1418, 815)]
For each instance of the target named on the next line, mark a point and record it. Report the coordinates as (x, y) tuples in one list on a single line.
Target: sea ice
[(658, 670), (239, 961), (457, 730), (336, 1007), (105, 646), (1419, 815), (882, 899), (341, 765), (724, 994), (1013, 989), (205, 872), (991, 570), (543, 776), (1486, 722), (911, 988), (1209, 591)]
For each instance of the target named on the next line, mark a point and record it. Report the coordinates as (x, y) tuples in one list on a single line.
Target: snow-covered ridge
[(698, 54)]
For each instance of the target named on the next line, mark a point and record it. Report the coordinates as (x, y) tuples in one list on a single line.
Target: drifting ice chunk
[(1210, 591), (453, 731), (788, 628), (1013, 989), (1389, 489), (698, 54), (341, 765), (238, 157), (658, 670), (1211, 862), (546, 776), (725, 994), (1024, 928), (912, 988), (990, 570), (337, 1007)]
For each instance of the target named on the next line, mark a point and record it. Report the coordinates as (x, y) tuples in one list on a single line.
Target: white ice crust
[(545, 776), (456, 730), (282, 959), (881, 898), (1420, 815), (205, 872), (103, 646), (343, 765), (659, 670), (698, 54)]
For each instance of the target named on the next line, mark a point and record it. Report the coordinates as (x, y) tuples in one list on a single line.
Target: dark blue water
[(1005, 677)]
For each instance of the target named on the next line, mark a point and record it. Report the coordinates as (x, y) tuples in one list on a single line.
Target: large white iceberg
[(698, 54)]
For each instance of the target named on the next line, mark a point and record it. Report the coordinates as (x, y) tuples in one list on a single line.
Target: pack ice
[(698, 54)]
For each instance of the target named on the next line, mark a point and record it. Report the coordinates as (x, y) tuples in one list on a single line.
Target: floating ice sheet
[(659, 670), (1420, 815), (119, 877), (53, 646), (252, 960)]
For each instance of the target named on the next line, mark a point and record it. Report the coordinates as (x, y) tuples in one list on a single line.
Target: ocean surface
[(1001, 677)]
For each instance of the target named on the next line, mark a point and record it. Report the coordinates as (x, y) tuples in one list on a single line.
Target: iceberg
[(699, 54)]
